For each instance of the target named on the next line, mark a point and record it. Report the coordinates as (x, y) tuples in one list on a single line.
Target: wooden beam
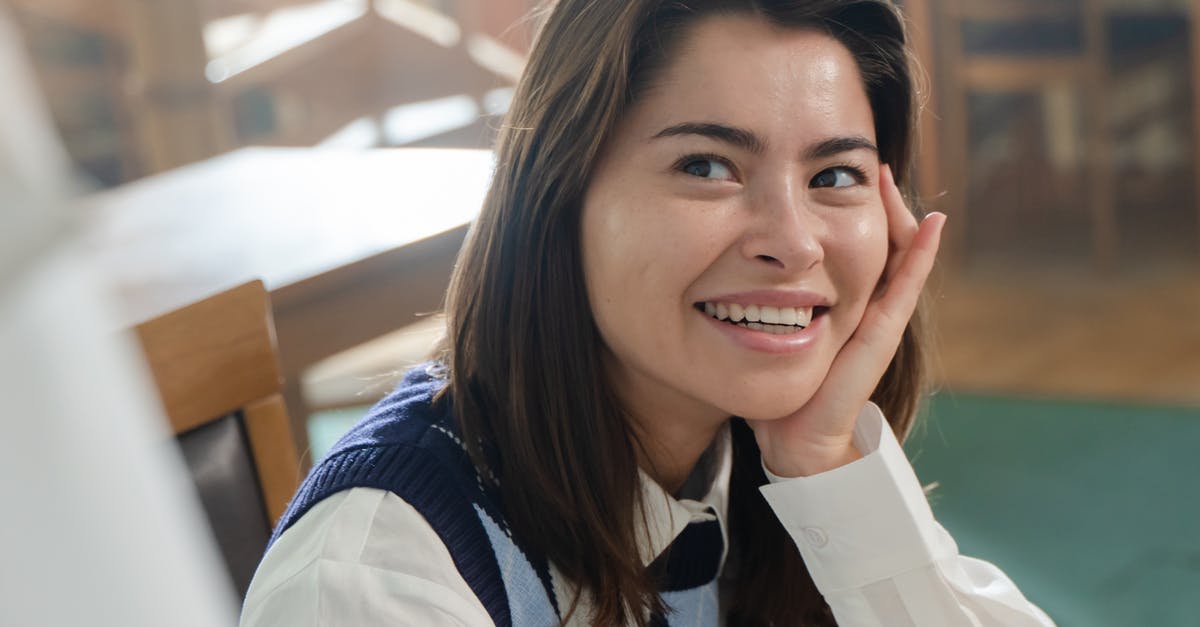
[(331, 44), (507, 21)]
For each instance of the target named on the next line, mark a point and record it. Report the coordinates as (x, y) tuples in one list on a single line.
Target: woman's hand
[(819, 437)]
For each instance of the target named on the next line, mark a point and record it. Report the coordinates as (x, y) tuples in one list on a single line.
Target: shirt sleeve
[(362, 557), (875, 552)]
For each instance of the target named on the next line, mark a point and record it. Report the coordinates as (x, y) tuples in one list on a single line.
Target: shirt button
[(816, 537)]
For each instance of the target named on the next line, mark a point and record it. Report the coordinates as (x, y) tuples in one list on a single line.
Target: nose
[(783, 232)]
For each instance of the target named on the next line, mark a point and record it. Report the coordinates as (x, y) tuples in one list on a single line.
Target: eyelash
[(855, 171), (858, 173), (687, 159)]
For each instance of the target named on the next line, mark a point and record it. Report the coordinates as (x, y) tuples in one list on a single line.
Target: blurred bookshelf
[(1067, 129), (80, 63), (142, 86)]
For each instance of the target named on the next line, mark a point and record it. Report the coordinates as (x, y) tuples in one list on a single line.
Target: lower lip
[(765, 342)]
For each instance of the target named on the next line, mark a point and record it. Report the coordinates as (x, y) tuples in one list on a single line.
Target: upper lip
[(773, 298)]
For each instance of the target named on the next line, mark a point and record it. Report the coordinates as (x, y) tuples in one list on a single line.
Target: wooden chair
[(965, 71), (216, 370)]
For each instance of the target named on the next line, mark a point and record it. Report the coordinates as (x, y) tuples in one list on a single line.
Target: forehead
[(742, 69)]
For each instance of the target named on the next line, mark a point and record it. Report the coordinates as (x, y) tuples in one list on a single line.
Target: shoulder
[(408, 444), (407, 453), (361, 556), (408, 415)]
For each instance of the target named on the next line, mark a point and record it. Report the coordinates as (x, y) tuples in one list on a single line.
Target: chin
[(772, 400)]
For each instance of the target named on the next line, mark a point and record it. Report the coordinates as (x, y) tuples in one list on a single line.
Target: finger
[(863, 360), (888, 316), (902, 226)]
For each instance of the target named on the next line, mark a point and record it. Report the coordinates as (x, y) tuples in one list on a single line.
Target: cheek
[(860, 246), (613, 248), (618, 265), (637, 241)]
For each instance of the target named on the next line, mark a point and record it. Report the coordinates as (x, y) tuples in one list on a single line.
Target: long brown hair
[(522, 351)]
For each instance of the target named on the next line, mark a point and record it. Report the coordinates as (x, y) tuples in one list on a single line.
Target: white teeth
[(784, 317), (754, 326)]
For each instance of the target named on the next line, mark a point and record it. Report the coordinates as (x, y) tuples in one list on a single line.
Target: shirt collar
[(666, 516)]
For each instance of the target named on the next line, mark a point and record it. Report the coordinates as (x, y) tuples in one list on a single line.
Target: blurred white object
[(100, 525)]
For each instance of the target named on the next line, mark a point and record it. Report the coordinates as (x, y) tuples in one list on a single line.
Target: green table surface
[(1091, 508)]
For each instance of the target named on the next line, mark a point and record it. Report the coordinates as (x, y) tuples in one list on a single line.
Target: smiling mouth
[(774, 320)]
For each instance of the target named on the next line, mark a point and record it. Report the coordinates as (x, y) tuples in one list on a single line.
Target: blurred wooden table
[(351, 244)]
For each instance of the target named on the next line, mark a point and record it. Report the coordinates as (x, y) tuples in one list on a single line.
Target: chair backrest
[(215, 366)]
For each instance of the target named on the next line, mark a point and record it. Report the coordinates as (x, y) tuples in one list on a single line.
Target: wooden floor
[(1131, 337)]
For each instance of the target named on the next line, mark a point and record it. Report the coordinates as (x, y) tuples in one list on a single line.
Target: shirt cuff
[(865, 521)]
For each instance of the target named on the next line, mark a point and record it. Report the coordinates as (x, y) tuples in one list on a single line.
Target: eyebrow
[(732, 135), (748, 141), (838, 145)]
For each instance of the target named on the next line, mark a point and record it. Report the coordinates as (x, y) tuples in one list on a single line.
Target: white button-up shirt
[(365, 557)]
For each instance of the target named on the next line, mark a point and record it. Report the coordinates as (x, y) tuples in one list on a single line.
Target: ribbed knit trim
[(409, 447), (416, 476)]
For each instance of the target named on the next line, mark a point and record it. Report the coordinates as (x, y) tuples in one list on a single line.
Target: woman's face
[(738, 197)]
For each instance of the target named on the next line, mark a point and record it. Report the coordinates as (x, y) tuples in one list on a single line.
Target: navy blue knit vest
[(410, 445)]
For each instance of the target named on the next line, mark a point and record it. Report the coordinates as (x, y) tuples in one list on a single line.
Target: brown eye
[(836, 177), (706, 167), (699, 168)]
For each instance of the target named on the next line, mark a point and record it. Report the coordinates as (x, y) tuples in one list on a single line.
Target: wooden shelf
[(1016, 73), (1011, 10)]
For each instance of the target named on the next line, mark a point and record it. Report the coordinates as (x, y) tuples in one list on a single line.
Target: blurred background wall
[(1059, 135)]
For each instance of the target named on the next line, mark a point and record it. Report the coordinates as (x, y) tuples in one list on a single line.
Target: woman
[(692, 275)]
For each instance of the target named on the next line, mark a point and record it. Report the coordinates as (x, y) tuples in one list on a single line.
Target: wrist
[(810, 461)]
